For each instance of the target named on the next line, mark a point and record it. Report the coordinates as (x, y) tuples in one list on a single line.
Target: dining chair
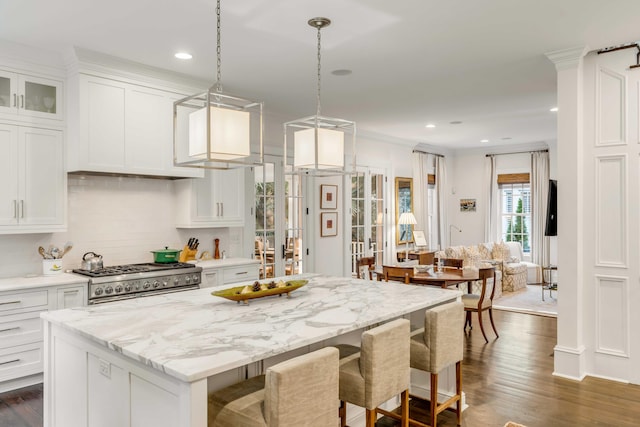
[(399, 274), (483, 302), (369, 262)]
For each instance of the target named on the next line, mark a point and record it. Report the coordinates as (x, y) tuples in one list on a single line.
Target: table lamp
[(407, 218)]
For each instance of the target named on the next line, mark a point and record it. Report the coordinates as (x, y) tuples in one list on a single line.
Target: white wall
[(120, 218)]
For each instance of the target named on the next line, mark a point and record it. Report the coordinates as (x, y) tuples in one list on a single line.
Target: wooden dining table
[(449, 277)]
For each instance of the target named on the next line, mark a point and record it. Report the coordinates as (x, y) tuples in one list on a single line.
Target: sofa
[(511, 274)]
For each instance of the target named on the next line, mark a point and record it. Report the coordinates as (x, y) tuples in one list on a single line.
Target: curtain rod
[(425, 152), (517, 152)]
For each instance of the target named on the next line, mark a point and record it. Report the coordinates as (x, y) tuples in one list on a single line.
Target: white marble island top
[(192, 335)]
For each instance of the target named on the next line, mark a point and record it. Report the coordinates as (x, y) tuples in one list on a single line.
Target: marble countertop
[(192, 335), (33, 281)]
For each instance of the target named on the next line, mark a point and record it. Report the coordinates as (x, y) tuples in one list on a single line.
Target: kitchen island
[(152, 361)]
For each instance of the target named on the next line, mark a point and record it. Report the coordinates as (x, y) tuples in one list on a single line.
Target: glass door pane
[(376, 239), (264, 178), (293, 254), (357, 220), (5, 91), (39, 97)]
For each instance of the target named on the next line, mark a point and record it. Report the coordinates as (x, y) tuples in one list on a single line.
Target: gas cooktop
[(117, 270)]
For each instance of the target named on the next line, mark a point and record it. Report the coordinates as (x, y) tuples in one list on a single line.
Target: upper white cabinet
[(217, 200), (29, 97), (32, 195), (124, 128)]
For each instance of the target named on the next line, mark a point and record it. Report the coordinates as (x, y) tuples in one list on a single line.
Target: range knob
[(187, 279), (118, 289), (195, 278), (176, 281), (127, 288), (156, 284), (108, 290), (165, 283), (146, 285), (98, 291)]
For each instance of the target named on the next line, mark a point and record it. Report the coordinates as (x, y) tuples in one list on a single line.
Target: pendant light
[(319, 142), (214, 130)]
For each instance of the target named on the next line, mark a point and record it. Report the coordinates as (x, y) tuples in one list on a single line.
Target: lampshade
[(407, 218), (214, 130), (320, 144)]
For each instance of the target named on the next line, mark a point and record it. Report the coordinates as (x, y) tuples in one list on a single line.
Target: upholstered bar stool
[(436, 346), (302, 391), (377, 371)]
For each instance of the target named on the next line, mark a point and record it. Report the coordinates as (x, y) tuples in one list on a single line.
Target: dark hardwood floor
[(508, 379)]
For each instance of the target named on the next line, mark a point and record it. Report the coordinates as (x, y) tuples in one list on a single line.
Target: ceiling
[(413, 62)]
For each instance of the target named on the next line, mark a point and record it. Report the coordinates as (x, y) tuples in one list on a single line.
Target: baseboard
[(20, 382), (569, 362)]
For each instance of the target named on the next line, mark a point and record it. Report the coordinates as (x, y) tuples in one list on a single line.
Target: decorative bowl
[(236, 293), (428, 268)]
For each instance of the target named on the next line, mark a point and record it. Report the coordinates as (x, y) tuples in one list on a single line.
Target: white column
[(569, 352)]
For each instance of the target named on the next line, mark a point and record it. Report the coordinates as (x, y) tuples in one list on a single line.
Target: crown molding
[(567, 58)]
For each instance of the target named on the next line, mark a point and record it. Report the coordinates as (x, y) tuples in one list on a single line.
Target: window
[(516, 214)]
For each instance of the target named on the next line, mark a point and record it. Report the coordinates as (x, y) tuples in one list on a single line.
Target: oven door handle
[(100, 300)]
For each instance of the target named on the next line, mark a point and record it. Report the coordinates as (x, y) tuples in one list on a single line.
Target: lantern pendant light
[(319, 142), (213, 130)]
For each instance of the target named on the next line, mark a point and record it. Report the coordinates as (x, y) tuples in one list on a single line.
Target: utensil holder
[(188, 254), (51, 266)]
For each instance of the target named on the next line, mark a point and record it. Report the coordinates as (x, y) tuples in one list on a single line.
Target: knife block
[(188, 254)]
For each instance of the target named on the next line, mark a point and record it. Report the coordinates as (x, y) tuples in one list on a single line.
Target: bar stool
[(439, 344), (302, 391), (376, 372)]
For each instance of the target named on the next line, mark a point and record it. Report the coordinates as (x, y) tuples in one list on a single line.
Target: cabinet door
[(40, 97), (102, 116), (42, 180), (9, 175), (146, 130), (8, 92), (229, 196), (70, 297)]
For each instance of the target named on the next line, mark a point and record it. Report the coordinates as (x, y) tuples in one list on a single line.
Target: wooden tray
[(234, 294)]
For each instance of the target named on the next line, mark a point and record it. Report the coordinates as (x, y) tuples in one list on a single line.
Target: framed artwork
[(329, 224), (328, 196), (419, 239), (467, 205)]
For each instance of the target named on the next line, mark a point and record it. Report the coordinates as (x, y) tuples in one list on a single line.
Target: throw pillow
[(484, 250), (455, 252), (471, 256), (501, 251)]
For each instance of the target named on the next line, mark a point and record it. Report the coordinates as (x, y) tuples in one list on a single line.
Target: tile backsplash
[(120, 218)]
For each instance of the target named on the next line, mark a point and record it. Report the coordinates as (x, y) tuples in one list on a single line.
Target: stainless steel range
[(136, 280)]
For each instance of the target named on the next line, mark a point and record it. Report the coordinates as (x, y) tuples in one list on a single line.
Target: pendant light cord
[(318, 94), (218, 51)]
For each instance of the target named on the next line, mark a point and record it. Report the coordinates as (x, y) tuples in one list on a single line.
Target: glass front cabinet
[(30, 96)]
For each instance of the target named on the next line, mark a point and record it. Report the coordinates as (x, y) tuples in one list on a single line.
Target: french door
[(278, 220), (367, 216)]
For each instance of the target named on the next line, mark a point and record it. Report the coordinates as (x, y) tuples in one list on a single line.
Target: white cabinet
[(21, 334), (33, 194), (123, 128), (225, 275), (217, 200), (30, 97)]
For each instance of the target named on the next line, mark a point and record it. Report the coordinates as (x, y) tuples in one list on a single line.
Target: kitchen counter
[(28, 282), (175, 347)]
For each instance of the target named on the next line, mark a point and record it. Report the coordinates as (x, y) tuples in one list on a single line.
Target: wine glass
[(48, 103)]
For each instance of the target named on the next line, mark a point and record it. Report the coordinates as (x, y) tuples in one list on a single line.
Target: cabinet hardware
[(15, 100), (21, 208), (10, 329), (75, 291), (21, 101), (242, 272), (10, 302), (15, 209), (9, 361), (221, 208)]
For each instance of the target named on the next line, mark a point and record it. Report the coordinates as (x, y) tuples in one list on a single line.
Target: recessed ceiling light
[(456, 122), (553, 109), (506, 138), (183, 55), (430, 125), (484, 140), (341, 72)]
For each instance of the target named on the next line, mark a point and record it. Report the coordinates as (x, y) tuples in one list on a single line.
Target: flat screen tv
[(551, 228)]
